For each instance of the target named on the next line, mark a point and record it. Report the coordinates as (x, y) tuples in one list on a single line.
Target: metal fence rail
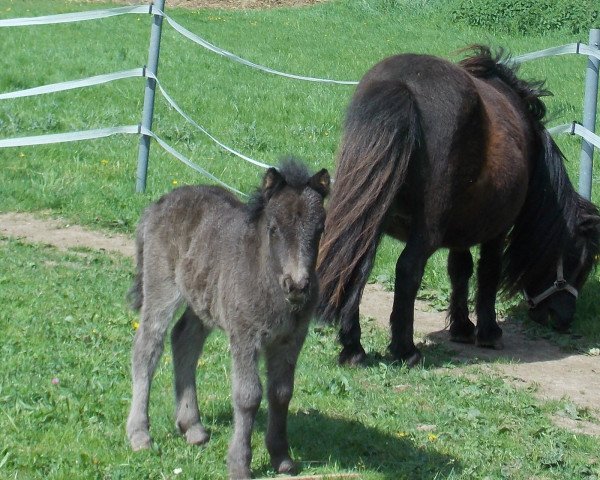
[(144, 130)]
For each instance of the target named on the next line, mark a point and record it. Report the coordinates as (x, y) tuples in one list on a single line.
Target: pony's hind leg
[(281, 363), (409, 273), (187, 340), (460, 269), (488, 333), (352, 352), (156, 314)]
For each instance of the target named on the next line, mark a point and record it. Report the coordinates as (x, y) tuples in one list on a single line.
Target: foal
[(248, 269)]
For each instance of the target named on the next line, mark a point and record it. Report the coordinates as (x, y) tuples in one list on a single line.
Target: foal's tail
[(382, 132), (135, 295)]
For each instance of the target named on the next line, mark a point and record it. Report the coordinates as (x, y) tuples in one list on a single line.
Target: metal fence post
[(144, 148), (590, 102)]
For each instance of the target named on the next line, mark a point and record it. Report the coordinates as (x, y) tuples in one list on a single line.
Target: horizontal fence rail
[(591, 51)]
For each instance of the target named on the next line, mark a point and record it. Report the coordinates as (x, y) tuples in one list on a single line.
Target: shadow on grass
[(318, 440)]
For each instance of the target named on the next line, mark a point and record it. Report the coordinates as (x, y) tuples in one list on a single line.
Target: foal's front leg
[(281, 362), (247, 394)]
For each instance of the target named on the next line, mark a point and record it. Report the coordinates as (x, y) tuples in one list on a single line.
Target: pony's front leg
[(488, 333), (281, 363), (460, 269), (409, 273), (247, 394)]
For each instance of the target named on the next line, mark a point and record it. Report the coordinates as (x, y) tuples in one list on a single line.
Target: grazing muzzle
[(556, 303)]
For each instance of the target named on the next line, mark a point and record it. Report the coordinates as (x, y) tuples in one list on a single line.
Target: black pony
[(444, 155)]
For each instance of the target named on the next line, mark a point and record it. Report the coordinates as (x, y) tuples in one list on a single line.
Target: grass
[(62, 315), (261, 115), (65, 390)]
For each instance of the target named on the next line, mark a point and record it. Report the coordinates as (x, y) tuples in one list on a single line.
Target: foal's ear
[(320, 182), (272, 181)]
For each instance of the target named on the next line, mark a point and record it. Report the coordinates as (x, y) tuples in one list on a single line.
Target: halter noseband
[(559, 285)]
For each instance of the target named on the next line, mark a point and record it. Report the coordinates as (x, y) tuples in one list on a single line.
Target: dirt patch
[(551, 372)]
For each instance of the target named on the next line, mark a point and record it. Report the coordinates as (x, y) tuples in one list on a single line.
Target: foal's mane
[(294, 173), (550, 216)]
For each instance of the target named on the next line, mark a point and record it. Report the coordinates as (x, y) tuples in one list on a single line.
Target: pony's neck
[(547, 222)]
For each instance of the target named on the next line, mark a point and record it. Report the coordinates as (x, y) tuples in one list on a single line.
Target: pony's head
[(553, 300), (290, 207)]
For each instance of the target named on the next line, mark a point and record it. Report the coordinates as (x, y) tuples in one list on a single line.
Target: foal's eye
[(273, 230)]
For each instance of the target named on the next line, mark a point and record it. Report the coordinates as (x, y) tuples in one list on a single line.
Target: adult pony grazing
[(246, 268), (444, 155)]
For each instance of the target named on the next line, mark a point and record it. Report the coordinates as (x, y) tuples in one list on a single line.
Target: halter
[(559, 285)]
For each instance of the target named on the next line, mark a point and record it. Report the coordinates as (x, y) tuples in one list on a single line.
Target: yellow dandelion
[(432, 437), (104, 162), (135, 325), (175, 182), (21, 155), (401, 434)]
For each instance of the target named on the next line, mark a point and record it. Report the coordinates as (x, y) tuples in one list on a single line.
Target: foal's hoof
[(352, 356), (196, 435), (140, 441)]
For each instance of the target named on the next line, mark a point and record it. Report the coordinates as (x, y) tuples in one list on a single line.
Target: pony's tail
[(135, 295), (382, 132)]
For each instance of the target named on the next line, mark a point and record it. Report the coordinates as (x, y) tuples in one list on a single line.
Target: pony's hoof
[(413, 360), (286, 466), (196, 435), (140, 441), (462, 338), (352, 356), (496, 344), (410, 359)]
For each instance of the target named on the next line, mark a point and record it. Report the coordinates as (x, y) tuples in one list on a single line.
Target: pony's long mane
[(550, 216), (485, 65)]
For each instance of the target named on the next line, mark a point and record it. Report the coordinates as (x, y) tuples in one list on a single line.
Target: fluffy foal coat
[(248, 269)]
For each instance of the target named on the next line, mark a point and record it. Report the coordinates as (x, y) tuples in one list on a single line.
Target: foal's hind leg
[(488, 333), (460, 269), (187, 340), (281, 363), (157, 311)]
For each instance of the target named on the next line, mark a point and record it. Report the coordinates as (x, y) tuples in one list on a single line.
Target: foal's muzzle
[(295, 290)]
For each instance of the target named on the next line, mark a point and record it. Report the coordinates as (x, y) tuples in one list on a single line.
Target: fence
[(144, 129)]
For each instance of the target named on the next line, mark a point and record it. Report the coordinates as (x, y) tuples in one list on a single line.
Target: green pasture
[(63, 315), (261, 115), (65, 391)]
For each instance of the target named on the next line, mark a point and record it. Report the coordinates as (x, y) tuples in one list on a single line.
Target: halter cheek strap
[(559, 285)]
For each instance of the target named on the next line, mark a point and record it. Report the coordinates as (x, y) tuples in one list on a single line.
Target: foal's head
[(289, 210)]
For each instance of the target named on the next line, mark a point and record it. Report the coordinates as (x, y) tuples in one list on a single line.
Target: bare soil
[(534, 363)]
